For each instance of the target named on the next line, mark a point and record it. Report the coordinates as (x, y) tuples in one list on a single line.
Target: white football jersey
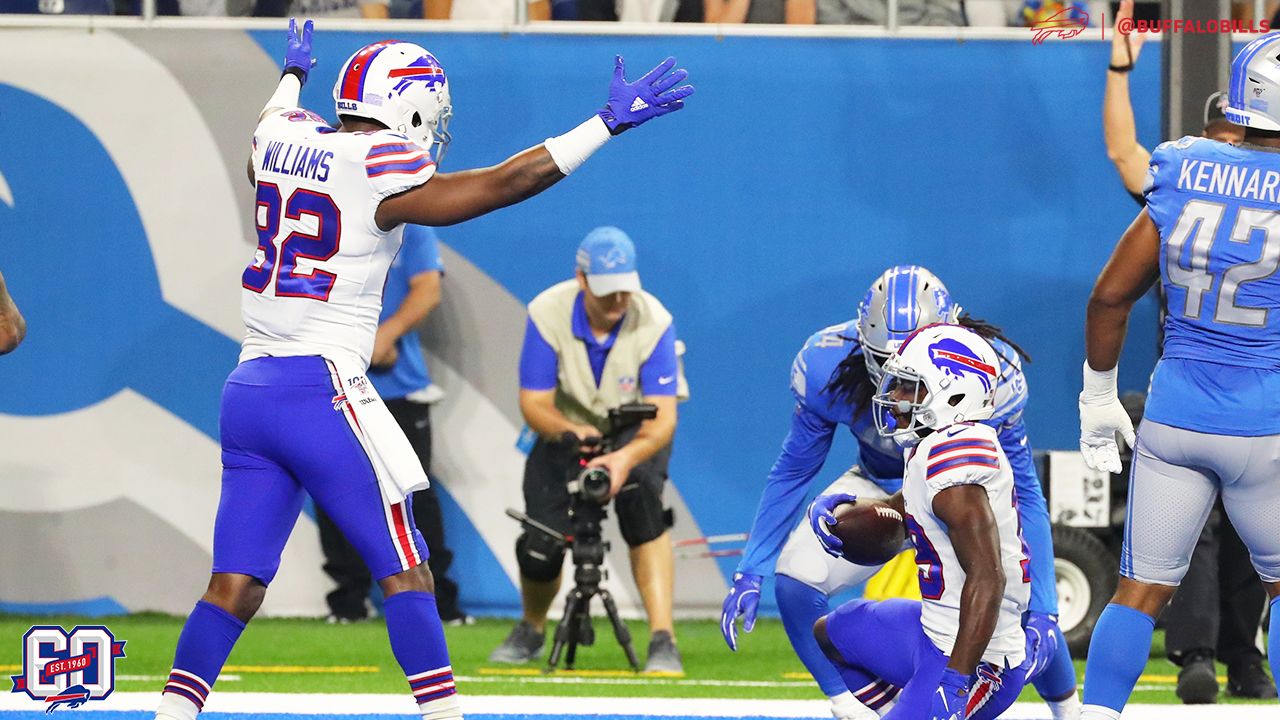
[(315, 284), (965, 453)]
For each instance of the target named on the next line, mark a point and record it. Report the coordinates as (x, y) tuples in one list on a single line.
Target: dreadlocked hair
[(851, 380), (989, 331)]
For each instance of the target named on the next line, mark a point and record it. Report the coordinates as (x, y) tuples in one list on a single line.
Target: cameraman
[(594, 343)]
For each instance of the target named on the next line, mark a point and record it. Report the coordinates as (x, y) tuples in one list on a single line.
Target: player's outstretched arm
[(976, 538), (1133, 268), (13, 328), (450, 198), (1118, 128), (297, 65)]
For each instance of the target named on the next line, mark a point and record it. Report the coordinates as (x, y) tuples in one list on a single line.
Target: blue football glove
[(951, 697), (632, 104), (1042, 643), (820, 517), (741, 601), (298, 54)]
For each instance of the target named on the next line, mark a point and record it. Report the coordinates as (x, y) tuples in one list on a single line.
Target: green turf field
[(294, 655)]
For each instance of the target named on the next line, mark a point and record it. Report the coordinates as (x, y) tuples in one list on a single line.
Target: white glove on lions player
[(1101, 417)]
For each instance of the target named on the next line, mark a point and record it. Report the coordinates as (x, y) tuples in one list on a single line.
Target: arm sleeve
[(1033, 512), (538, 361), (803, 452), (658, 372), (395, 164)]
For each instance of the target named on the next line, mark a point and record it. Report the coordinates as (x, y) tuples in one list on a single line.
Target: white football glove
[(1101, 417)]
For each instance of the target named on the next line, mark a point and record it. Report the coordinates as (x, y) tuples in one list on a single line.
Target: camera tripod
[(588, 550)]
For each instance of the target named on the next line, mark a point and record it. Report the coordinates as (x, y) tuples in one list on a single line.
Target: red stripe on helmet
[(357, 67)]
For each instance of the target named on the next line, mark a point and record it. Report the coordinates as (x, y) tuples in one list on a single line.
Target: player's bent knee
[(240, 595), (1145, 597), (539, 558), (824, 640), (416, 579)]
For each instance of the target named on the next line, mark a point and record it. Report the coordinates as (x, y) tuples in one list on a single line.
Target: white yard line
[(563, 707)]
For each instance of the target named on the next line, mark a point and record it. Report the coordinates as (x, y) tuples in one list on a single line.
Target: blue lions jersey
[(818, 414), (1217, 207)]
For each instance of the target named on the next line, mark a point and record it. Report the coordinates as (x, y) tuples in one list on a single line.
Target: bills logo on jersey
[(68, 669), (956, 359)]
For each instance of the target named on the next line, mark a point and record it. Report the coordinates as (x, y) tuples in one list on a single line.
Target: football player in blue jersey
[(833, 378), (1211, 234)]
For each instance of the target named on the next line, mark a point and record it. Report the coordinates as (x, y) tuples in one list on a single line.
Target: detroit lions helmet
[(402, 86), (902, 300), (1253, 97), (939, 376)]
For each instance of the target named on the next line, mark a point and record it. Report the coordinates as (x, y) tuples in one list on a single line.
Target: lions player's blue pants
[(884, 648)]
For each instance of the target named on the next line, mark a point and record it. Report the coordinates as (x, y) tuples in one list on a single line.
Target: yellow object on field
[(897, 579)]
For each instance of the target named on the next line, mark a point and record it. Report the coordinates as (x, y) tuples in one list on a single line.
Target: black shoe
[(1250, 680), (522, 645), (1198, 680)]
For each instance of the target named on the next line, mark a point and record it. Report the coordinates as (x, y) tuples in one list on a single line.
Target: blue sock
[(206, 640), (417, 641), (1117, 656), (1273, 641), (1058, 681), (800, 607)]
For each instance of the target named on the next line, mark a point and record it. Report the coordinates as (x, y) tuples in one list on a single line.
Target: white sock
[(446, 708), (176, 707), (1098, 712), (1067, 709), (846, 707)]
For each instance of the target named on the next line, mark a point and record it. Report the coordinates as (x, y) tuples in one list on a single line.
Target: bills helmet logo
[(956, 359), (425, 69), (68, 669)]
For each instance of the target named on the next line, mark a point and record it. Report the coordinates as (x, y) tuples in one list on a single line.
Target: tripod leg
[(620, 630), (565, 631)]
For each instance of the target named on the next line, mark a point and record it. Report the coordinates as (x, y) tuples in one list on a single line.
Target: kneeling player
[(961, 652)]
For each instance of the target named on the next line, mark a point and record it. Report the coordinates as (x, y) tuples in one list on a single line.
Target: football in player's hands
[(871, 531)]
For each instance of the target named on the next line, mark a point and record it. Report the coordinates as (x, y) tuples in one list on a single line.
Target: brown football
[(872, 532)]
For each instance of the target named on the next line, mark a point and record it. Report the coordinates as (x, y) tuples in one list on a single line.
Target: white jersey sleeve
[(395, 164), (966, 457)]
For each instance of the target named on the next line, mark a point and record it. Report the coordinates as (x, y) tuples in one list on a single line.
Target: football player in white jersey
[(298, 415), (959, 653)]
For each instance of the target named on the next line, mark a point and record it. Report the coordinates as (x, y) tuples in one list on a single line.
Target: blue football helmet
[(1253, 97), (902, 300)]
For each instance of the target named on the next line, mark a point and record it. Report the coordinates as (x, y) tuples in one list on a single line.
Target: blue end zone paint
[(93, 607)]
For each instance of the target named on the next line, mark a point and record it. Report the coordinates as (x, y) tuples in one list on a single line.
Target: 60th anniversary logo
[(67, 669)]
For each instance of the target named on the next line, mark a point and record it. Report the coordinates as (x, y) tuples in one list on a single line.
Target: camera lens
[(594, 484)]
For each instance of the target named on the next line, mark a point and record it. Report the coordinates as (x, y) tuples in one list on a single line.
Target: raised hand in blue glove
[(951, 697), (741, 601), (1042, 642), (655, 94), (820, 517), (298, 54)]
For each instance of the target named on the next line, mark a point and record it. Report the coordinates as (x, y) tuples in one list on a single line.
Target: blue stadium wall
[(799, 171)]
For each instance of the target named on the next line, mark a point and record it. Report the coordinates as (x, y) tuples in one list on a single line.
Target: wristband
[(1122, 69), (1099, 384), (573, 148)]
